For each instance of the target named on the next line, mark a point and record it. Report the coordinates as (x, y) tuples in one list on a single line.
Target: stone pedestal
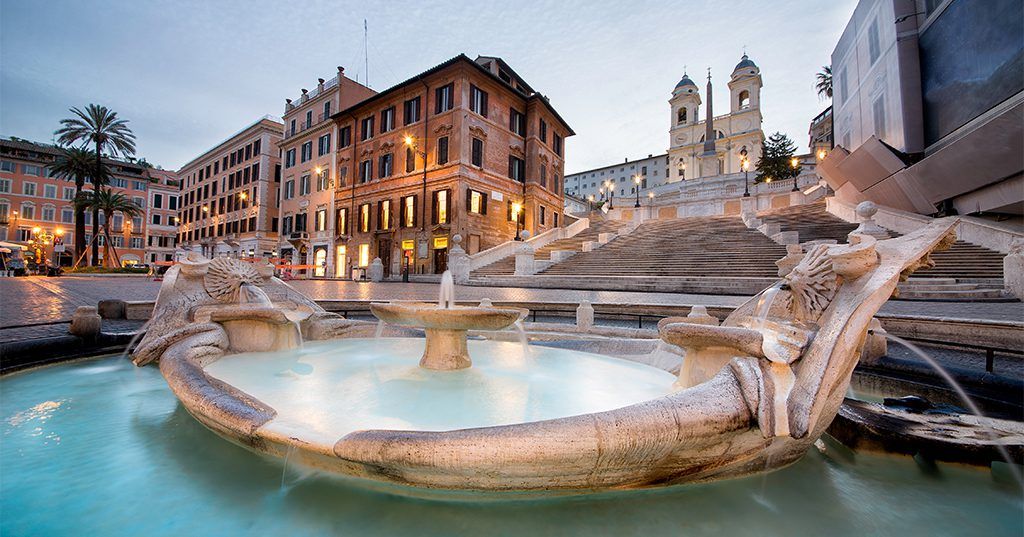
[(446, 350), (458, 261), (585, 315), (85, 323), (525, 261), (866, 215), (376, 270), (1013, 269)]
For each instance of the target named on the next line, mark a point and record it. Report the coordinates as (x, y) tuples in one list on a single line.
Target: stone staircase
[(714, 246), (964, 272), (598, 224)]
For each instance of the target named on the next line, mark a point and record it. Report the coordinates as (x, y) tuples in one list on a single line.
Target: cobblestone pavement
[(38, 299)]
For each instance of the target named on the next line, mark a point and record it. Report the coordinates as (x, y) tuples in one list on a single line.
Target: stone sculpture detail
[(225, 277), (812, 284)]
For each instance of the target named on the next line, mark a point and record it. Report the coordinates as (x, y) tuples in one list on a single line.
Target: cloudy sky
[(188, 74)]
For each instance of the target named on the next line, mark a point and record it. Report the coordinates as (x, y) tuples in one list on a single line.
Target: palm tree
[(108, 202), (824, 85), (76, 164), (97, 126)]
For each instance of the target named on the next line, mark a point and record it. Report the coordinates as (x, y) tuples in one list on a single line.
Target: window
[(444, 98), (385, 165), (543, 211), (322, 181), (320, 220), (387, 119), (136, 242), (344, 137), (49, 213), (556, 144), (744, 99), (286, 225), (323, 145), (172, 203), (304, 185), (8, 166), (441, 207), (477, 156), (29, 169), (307, 151), (409, 211), (478, 100), (139, 202), (410, 160), (365, 170), (543, 131), (874, 47), (256, 147), (364, 255), (681, 116), (28, 189), (411, 111), (364, 218), (289, 158), (289, 189), (384, 214), (327, 109), (476, 202), (5, 186), (155, 220), (341, 221), (842, 85), (158, 201), (517, 169), (878, 116), (543, 176), (516, 122), (555, 218), (67, 215), (50, 191), (248, 152), (366, 129), (442, 150), (309, 118)]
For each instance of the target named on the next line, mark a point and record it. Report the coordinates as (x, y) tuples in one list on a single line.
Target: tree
[(824, 84), (76, 165), (108, 202), (100, 127), (776, 162)]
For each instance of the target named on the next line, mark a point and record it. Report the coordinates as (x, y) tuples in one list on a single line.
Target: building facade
[(715, 146), (820, 134), (161, 216), (229, 195), (34, 202), (929, 106), (467, 148), (310, 173), (652, 172)]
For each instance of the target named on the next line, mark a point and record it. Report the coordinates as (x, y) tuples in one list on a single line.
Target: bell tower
[(684, 108), (745, 86)]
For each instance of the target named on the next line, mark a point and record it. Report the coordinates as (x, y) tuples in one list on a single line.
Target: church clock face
[(743, 125), (683, 138)]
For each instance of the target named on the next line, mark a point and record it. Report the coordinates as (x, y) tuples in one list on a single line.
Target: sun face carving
[(225, 277), (812, 285)]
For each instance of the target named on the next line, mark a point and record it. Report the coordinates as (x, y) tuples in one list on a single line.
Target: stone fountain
[(445, 325), (752, 395)]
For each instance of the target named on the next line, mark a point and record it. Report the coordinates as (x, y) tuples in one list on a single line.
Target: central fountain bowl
[(445, 328)]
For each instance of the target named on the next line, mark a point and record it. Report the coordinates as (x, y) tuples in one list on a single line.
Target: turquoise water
[(328, 389), (103, 448)]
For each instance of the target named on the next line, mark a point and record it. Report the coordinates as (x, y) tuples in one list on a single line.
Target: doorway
[(384, 253), (440, 260)]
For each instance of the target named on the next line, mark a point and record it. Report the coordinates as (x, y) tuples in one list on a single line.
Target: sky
[(189, 74)]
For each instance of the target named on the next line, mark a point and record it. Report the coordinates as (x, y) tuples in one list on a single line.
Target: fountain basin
[(445, 328)]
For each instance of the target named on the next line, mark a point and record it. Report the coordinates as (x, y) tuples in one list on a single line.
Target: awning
[(12, 246)]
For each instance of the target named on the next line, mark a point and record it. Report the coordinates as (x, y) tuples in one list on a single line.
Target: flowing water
[(524, 340), (446, 294), (100, 447), (966, 399), (380, 329), (250, 294), (764, 304)]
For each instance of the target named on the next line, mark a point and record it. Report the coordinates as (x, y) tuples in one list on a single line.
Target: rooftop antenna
[(366, 55)]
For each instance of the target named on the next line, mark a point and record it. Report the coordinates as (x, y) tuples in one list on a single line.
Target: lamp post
[(516, 208), (794, 163), (637, 180), (650, 198), (590, 202), (746, 183), (611, 195)]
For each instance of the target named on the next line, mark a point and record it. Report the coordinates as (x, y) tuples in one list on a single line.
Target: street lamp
[(636, 179), (611, 194), (410, 142), (794, 162), (590, 202), (822, 154), (650, 198), (516, 208), (745, 164)]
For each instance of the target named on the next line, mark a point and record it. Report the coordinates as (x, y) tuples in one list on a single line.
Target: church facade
[(715, 146)]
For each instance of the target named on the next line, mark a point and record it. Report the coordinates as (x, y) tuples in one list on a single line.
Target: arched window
[(744, 99), (682, 116)]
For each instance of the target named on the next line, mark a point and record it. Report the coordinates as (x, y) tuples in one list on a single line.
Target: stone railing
[(970, 229), (507, 249)]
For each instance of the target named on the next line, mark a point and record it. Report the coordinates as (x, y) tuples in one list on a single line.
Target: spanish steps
[(598, 224)]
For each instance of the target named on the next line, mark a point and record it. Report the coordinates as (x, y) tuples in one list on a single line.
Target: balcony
[(298, 237)]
